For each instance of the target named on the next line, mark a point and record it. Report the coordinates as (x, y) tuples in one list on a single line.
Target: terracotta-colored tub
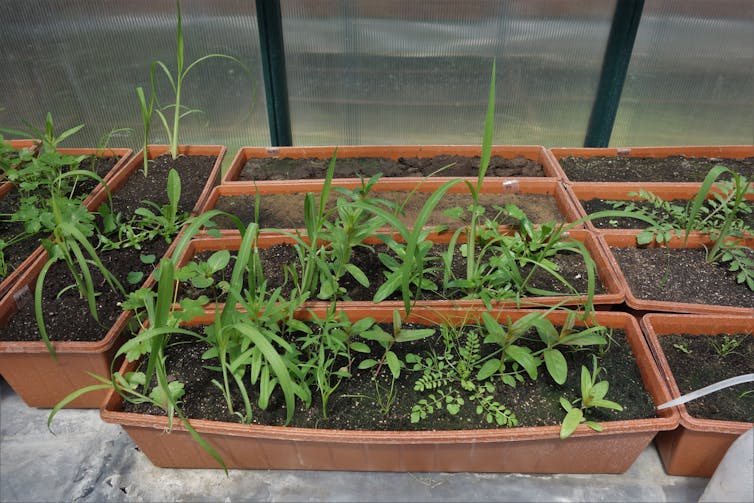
[(585, 191), (614, 291), (698, 445), (537, 153), (25, 364), (153, 151), (627, 239), (522, 187), (523, 450), (723, 151), (91, 201)]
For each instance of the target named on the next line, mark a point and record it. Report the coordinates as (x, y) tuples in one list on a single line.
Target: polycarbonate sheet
[(691, 78), (390, 71), (82, 60)]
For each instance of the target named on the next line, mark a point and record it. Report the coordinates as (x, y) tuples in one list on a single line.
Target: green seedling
[(592, 395), (176, 81), (727, 346), (387, 341), (50, 140), (455, 376), (683, 348)]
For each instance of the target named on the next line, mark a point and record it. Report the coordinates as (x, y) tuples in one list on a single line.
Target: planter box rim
[(698, 324), (533, 152), (620, 239), (665, 421)]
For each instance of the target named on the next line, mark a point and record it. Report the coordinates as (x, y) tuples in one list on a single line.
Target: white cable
[(707, 390)]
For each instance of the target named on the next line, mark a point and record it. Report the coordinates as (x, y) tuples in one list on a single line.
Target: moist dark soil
[(353, 167), (194, 171), (649, 169), (696, 362), (681, 275), (287, 210), (17, 253), (354, 404), (66, 315), (278, 258), (100, 165)]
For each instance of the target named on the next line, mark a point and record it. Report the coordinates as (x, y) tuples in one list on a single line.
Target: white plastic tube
[(707, 390)]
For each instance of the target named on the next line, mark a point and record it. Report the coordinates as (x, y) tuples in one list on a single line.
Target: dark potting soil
[(352, 167), (100, 165), (194, 171), (15, 254), (681, 275), (67, 316), (355, 403), (649, 169), (696, 362), (276, 259), (287, 210)]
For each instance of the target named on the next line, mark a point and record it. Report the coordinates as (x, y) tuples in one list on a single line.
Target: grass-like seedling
[(176, 80)]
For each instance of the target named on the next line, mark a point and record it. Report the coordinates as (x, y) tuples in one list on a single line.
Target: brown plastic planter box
[(89, 201), (728, 151), (154, 151), (532, 152), (585, 191), (698, 445), (614, 294), (627, 239), (523, 450), (523, 187), (28, 367), (41, 380)]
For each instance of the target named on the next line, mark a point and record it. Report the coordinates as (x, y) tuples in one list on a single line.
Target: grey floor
[(88, 460)]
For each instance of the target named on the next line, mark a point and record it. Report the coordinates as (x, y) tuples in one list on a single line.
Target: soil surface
[(278, 258), (696, 362), (649, 169), (287, 210), (66, 314), (353, 167), (681, 275), (17, 253), (354, 404)]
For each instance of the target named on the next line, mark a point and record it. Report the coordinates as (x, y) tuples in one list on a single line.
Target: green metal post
[(620, 45), (270, 23)]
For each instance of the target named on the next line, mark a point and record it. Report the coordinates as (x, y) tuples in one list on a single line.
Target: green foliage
[(46, 134), (717, 210), (455, 376), (325, 250), (593, 394), (507, 262), (176, 80), (727, 346), (408, 272), (683, 348)]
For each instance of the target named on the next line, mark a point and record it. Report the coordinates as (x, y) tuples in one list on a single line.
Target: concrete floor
[(88, 460)]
